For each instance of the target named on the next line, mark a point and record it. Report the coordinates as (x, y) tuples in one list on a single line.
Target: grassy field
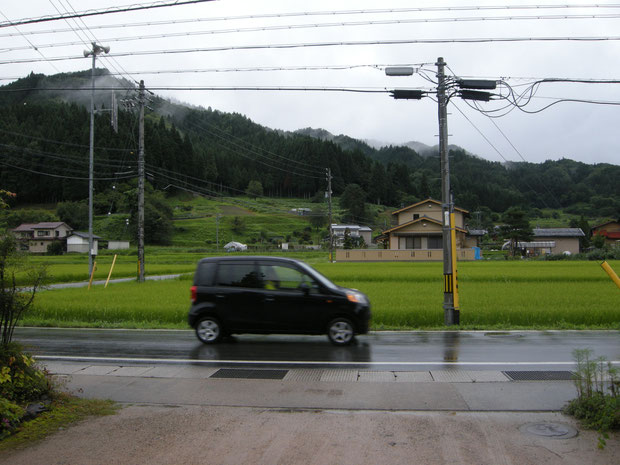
[(494, 295)]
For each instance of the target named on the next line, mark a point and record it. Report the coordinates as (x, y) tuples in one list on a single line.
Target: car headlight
[(356, 297)]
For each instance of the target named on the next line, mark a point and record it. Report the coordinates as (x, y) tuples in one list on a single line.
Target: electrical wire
[(271, 156), (293, 27), (294, 14), (329, 44), (68, 144), (496, 149), (135, 7)]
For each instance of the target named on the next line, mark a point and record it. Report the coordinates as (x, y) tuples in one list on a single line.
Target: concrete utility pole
[(451, 311), (451, 294), (141, 99), (329, 203), (96, 50)]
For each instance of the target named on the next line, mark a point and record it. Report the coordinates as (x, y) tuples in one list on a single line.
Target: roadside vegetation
[(30, 405), (597, 405), (494, 294)]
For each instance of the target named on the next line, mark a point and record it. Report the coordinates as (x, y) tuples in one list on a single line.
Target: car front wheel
[(209, 330), (340, 332)]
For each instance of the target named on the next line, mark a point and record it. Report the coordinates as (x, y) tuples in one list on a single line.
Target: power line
[(135, 7), (331, 44), (294, 14), (293, 27), (257, 150), (299, 171), (68, 144)]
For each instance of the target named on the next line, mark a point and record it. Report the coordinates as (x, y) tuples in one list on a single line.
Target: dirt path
[(239, 435)]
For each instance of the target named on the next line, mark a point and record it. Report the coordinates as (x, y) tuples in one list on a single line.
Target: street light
[(97, 49)]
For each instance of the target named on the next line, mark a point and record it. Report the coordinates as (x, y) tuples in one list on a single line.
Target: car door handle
[(270, 298), (219, 296)]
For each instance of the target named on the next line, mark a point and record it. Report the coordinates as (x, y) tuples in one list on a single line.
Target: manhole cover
[(549, 430)]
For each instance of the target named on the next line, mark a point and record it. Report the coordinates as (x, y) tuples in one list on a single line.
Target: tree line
[(43, 153)]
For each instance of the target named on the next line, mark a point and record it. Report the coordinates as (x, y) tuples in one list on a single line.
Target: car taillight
[(193, 294)]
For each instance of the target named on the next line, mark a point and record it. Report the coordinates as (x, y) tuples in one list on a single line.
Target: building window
[(43, 233), (416, 216), (434, 242), (413, 242)]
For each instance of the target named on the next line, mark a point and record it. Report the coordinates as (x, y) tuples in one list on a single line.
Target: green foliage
[(515, 227), (494, 294), (207, 144), (352, 201), (75, 214), (63, 411), (55, 248), (10, 416), (597, 407), (13, 218), (237, 225), (14, 301), (20, 380), (255, 189), (598, 241)]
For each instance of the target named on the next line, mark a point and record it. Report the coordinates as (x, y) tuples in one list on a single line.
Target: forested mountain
[(44, 137)]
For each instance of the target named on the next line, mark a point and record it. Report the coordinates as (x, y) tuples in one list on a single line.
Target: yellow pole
[(612, 274), (455, 282), (110, 273), (92, 275)]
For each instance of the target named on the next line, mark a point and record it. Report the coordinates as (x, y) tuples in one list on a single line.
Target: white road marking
[(295, 362)]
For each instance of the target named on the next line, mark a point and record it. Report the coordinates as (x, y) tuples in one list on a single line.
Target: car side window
[(279, 277), (237, 275)]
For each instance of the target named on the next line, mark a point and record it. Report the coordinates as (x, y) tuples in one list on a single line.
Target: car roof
[(245, 258)]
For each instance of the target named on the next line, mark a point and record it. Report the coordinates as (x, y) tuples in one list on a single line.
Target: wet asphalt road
[(468, 350)]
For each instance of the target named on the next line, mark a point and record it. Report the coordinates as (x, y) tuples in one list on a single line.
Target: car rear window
[(237, 275), (205, 274)]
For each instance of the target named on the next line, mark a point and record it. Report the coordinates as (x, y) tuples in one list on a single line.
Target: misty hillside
[(44, 134)]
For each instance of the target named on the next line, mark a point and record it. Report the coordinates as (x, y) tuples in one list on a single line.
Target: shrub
[(596, 408), (20, 380), (10, 416)]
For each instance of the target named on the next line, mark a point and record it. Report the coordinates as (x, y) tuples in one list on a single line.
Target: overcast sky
[(580, 131)]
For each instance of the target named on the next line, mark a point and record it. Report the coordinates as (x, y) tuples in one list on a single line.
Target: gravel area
[(147, 434)]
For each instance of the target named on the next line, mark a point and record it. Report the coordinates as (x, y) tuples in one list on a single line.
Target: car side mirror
[(305, 288)]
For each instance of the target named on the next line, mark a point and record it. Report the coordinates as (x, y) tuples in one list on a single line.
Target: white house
[(338, 231), (78, 242)]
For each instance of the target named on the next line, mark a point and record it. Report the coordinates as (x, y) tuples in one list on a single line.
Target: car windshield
[(318, 276)]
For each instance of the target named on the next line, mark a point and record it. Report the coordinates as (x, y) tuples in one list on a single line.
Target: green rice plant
[(402, 295), (149, 304)]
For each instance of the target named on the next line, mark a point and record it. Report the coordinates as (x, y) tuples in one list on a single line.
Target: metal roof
[(558, 232)]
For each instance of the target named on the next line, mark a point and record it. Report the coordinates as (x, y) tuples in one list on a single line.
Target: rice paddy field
[(493, 294)]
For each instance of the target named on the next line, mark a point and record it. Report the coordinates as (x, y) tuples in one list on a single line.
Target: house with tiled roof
[(417, 235), (37, 237), (551, 241), (420, 226), (610, 231)]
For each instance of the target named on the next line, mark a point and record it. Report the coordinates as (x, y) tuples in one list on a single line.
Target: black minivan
[(265, 295)]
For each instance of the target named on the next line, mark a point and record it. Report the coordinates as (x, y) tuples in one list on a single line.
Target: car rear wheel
[(209, 330), (340, 332)]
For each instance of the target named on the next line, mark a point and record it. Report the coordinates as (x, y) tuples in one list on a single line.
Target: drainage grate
[(539, 375), (236, 373)]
